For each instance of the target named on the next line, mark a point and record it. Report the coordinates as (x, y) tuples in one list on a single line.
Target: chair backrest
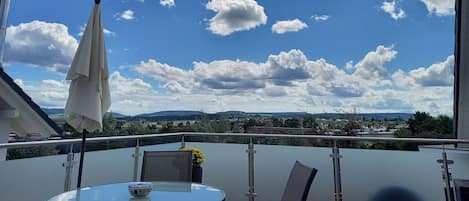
[(462, 189), (299, 182), (167, 166)]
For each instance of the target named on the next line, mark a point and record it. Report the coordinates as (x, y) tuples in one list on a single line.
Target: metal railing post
[(68, 169), (251, 194), (446, 175), (337, 178), (183, 143), (136, 156)]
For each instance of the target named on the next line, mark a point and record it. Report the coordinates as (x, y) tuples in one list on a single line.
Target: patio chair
[(462, 189), (299, 182), (173, 166)]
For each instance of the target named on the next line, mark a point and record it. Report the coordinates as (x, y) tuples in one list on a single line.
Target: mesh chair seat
[(167, 166), (299, 182)]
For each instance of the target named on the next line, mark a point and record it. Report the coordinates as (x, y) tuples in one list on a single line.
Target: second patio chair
[(299, 182), (175, 166)]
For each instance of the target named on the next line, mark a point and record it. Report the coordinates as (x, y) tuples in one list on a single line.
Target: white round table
[(162, 191)]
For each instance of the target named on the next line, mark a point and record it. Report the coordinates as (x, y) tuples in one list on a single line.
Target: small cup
[(140, 189)]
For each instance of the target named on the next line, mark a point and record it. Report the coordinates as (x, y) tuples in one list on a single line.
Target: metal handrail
[(338, 138), (319, 137), (78, 141)]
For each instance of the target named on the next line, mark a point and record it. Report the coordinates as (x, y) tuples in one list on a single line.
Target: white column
[(461, 95), (4, 122), (4, 10)]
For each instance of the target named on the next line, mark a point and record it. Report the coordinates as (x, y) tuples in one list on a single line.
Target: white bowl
[(140, 189)]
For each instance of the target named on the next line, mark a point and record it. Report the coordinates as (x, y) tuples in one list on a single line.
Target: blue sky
[(266, 55)]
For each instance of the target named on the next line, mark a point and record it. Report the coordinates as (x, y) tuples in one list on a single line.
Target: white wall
[(4, 132)]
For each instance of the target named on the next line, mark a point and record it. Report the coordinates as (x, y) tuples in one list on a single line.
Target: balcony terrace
[(361, 174)]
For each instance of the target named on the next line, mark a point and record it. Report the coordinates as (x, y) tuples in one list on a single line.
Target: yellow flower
[(198, 156)]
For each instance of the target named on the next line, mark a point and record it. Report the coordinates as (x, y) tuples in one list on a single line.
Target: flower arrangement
[(198, 156)]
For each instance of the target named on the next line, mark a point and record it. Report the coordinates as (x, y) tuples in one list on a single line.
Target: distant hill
[(52, 111), (178, 115), (279, 114), (190, 113), (118, 115), (171, 113), (58, 113), (366, 116), (194, 115)]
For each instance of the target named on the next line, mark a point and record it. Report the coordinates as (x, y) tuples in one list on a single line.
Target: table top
[(161, 191)]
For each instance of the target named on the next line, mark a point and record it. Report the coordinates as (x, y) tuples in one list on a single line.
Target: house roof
[(10, 82)]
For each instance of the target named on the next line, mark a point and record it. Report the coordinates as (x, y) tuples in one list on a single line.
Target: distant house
[(19, 115)]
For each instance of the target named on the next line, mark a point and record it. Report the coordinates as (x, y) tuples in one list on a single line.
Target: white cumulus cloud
[(349, 65), (393, 10), (121, 85), (275, 91), (47, 93), (53, 84), (235, 15), (125, 15), (228, 75), (19, 82), (371, 67), (227, 85), (318, 18), (176, 87), (40, 43), (287, 67), (440, 7), (281, 27), (289, 79), (161, 71), (437, 74), (401, 79), (53, 93), (106, 32), (279, 75), (168, 3)]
